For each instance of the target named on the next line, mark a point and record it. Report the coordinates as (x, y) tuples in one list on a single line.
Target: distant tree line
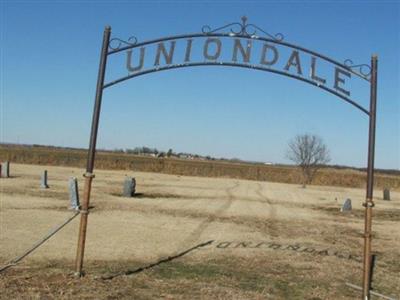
[(144, 150), (157, 153)]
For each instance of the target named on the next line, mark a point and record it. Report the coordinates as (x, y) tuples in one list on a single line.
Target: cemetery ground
[(186, 237)]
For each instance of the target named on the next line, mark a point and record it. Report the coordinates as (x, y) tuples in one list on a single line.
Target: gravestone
[(346, 205), (73, 193), (129, 187), (386, 194), (5, 169), (43, 180)]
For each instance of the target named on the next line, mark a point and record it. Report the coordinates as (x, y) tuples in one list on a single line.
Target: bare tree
[(310, 153)]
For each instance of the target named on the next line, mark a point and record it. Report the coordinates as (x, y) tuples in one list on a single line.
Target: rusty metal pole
[(369, 202), (91, 153)]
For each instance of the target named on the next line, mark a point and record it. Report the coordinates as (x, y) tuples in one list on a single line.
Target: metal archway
[(237, 32)]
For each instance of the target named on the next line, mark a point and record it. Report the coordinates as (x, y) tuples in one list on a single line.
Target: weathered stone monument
[(386, 194), (73, 193), (129, 187), (5, 169), (43, 180), (346, 206)]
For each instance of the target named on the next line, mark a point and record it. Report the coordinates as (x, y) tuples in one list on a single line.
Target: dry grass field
[(41, 155), (187, 237)]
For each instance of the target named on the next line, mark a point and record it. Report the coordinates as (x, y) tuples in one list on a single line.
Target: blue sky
[(49, 63)]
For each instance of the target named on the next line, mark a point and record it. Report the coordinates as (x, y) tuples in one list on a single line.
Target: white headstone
[(129, 187), (73, 193), (5, 169), (43, 180)]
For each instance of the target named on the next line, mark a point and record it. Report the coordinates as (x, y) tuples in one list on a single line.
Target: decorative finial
[(242, 28)]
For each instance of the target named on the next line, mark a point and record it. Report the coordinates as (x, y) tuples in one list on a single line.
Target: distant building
[(185, 156)]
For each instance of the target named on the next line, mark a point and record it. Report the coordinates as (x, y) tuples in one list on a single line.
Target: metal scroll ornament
[(243, 29), (116, 43), (363, 70)]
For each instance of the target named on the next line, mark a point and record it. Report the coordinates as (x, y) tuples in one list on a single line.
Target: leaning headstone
[(43, 180), (346, 206), (129, 187), (73, 193), (386, 194), (5, 169)]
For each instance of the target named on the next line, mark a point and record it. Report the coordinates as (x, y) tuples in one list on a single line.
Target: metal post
[(369, 203), (91, 152)]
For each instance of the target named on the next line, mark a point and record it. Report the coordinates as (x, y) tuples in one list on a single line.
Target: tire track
[(272, 209), (271, 228), (195, 235)]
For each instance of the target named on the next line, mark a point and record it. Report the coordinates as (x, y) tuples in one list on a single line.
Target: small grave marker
[(386, 194), (73, 193), (5, 169), (346, 206), (43, 180), (129, 187)]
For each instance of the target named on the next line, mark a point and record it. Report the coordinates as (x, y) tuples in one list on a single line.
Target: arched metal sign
[(243, 45)]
